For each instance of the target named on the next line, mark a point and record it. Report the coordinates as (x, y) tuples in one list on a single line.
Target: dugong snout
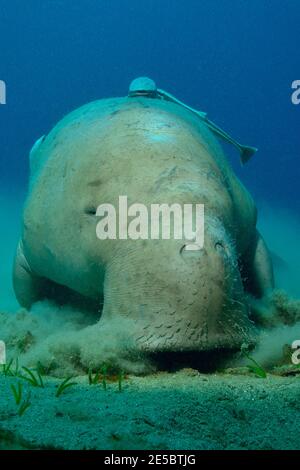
[(179, 300)]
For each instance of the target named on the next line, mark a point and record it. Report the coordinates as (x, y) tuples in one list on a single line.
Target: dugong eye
[(90, 210)]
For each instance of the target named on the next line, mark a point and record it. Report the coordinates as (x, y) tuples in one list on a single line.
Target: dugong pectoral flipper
[(259, 268), (28, 287), (31, 288)]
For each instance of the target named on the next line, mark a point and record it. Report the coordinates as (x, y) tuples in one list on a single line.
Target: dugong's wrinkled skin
[(153, 152)]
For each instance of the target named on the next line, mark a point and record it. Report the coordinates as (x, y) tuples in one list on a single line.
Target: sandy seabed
[(184, 410)]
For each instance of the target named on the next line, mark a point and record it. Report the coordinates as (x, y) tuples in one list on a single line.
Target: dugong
[(153, 151)]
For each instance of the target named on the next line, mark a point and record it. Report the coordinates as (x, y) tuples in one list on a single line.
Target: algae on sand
[(184, 410)]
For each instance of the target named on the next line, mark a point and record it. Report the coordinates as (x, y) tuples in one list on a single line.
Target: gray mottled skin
[(154, 152)]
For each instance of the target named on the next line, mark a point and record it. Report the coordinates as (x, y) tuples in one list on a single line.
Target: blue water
[(235, 59)]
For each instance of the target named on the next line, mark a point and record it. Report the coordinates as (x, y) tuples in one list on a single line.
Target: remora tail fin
[(246, 153)]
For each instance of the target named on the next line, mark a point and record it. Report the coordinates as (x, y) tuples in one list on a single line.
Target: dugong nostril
[(221, 248), (188, 253)]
